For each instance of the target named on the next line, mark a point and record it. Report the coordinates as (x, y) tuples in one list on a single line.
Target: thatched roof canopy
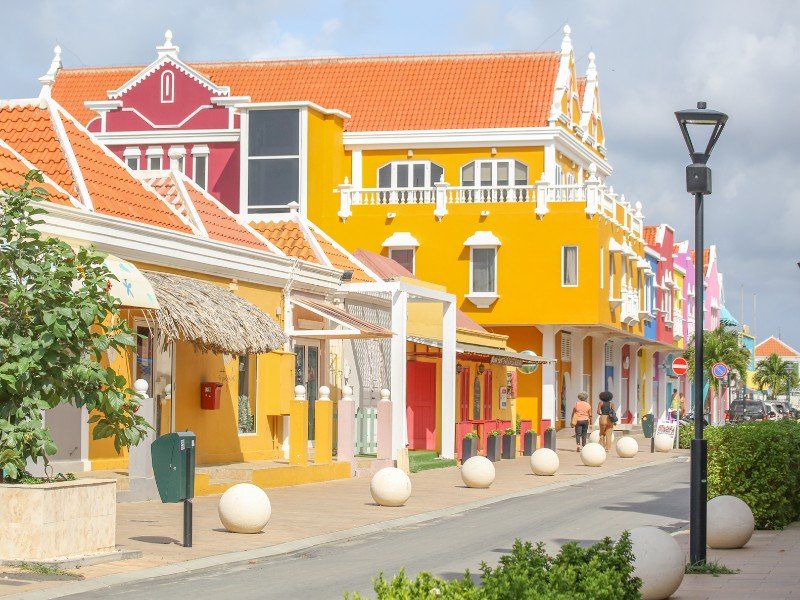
[(211, 317)]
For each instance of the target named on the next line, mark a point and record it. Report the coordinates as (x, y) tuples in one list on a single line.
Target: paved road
[(585, 512)]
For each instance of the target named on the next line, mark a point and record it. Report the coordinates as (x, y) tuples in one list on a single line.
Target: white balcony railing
[(677, 324), (596, 198), (630, 305)]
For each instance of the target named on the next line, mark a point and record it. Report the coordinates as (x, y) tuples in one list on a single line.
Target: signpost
[(720, 370), (679, 366)]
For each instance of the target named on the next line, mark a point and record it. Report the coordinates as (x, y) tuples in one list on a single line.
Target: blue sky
[(652, 57)]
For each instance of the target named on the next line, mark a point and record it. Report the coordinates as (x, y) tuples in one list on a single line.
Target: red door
[(421, 405)]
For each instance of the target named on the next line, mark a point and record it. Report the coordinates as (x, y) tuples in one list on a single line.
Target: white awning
[(351, 327), (495, 356), (131, 288)]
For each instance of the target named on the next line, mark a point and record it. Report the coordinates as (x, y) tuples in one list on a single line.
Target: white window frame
[(611, 274), (472, 291), (483, 240), (155, 152), (200, 151), (170, 97), (563, 264), (133, 153), (512, 171), (253, 363), (393, 168), (559, 175)]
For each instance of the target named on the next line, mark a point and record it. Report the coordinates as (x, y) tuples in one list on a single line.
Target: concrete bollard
[(323, 427), (298, 428)]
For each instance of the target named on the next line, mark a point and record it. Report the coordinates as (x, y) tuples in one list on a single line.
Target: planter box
[(469, 448), (56, 520), (529, 443), (493, 447), (550, 439), (509, 446)]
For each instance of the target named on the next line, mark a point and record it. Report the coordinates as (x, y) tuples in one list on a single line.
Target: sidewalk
[(769, 567), (331, 508)]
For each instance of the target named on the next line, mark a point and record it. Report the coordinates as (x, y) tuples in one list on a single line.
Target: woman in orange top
[(581, 415)]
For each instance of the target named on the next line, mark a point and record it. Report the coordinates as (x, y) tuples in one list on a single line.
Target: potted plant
[(529, 443), (550, 438), (510, 443), (493, 446), (469, 446)]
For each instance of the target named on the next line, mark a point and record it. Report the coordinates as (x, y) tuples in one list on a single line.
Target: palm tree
[(774, 374), (719, 345)]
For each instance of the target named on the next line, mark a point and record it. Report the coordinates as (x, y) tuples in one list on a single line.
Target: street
[(585, 512)]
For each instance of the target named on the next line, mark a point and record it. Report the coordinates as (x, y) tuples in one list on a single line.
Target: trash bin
[(647, 425)]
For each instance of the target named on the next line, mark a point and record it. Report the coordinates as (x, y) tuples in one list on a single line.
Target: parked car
[(747, 410), (783, 410), (776, 410)]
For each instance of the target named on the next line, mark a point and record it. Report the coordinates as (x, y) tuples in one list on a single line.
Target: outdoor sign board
[(720, 370)]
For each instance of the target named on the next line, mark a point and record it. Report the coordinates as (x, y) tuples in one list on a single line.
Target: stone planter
[(57, 520), (509, 446), (493, 447), (550, 439), (529, 443), (469, 448)]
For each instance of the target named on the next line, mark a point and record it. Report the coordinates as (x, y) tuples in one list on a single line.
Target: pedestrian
[(581, 416), (606, 408), (682, 403), (674, 404)]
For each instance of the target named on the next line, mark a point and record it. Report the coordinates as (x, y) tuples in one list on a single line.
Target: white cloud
[(331, 25)]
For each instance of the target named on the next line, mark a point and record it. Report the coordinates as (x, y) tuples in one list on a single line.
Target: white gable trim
[(69, 154), (178, 64)]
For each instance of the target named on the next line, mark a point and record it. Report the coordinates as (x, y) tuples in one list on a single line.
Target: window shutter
[(566, 347), (608, 352)]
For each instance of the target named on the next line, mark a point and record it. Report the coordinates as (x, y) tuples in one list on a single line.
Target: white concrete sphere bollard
[(627, 447), (244, 508), (478, 472), (730, 522), (663, 442), (544, 462), (390, 487), (594, 437), (658, 561), (593, 455)]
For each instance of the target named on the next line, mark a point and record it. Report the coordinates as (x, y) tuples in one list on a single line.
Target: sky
[(653, 58)]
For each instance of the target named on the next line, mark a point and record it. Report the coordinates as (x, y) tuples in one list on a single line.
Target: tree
[(57, 318), (774, 374), (719, 345)]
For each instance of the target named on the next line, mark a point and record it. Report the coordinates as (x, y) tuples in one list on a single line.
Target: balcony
[(595, 198), (677, 324), (630, 305)]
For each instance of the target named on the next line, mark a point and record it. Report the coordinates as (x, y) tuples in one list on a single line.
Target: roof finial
[(48, 79), (591, 70), (168, 49), (566, 42)]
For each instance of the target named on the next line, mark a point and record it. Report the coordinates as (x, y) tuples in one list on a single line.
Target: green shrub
[(758, 462), (603, 571), (685, 436)]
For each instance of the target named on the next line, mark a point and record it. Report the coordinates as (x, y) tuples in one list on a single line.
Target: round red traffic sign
[(680, 366)]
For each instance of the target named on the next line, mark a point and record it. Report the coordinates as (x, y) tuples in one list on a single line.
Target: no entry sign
[(720, 370), (680, 366)]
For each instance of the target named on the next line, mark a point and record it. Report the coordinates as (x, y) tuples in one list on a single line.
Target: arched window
[(167, 87), (494, 173), (409, 174)]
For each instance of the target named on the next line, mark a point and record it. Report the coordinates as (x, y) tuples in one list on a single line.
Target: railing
[(630, 305), (597, 198), (677, 324), (366, 430)]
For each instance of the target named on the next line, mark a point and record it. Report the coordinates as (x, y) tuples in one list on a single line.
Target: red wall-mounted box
[(210, 392)]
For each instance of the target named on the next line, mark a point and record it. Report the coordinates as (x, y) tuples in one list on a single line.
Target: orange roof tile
[(774, 345), (650, 234), (341, 261), (380, 93), (288, 237), (29, 130), (113, 189), (12, 175)]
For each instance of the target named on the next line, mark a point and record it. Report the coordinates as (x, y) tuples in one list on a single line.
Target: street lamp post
[(698, 182)]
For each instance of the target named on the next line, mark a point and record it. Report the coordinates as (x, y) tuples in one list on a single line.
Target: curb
[(217, 560)]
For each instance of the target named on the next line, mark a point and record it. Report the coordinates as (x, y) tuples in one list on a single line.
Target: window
[(246, 415), (494, 173), (132, 157), (405, 256), (200, 171), (569, 266), (154, 156), (409, 174), (167, 87), (559, 175), (611, 273), (273, 159), (484, 265), (132, 162)]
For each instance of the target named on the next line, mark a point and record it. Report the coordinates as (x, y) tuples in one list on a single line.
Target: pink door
[(421, 405)]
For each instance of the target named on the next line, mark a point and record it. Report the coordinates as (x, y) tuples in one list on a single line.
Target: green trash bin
[(647, 425)]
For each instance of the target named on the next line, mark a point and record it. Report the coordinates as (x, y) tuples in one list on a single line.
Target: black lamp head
[(701, 118)]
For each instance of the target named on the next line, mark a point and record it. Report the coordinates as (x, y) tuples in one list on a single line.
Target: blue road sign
[(720, 370)]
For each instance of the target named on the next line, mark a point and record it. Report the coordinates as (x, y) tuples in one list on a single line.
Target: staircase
[(424, 460)]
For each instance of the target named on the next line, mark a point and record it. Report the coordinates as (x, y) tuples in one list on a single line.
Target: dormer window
[(167, 87)]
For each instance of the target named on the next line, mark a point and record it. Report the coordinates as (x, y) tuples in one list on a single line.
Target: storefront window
[(247, 394)]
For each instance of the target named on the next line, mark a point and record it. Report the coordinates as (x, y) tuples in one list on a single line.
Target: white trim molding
[(482, 238), (400, 239)]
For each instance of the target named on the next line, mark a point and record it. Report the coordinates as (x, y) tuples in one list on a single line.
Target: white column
[(550, 163), (398, 371), (598, 371), (357, 174), (548, 374), (633, 381), (448, 379)]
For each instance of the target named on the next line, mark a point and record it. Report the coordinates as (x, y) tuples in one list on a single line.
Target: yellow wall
[(218, 439), (528, 399), (328, 163)]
